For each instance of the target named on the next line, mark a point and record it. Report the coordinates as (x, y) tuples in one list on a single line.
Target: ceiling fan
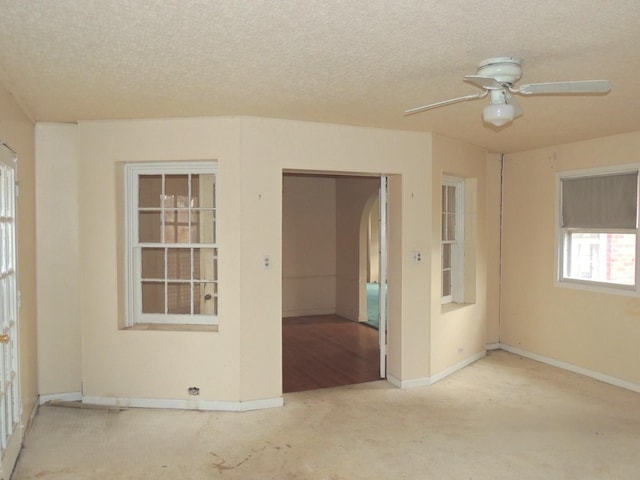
[(497, 76)]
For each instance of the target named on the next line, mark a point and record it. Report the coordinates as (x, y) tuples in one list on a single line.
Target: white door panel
[(10, 403), (382, 297)]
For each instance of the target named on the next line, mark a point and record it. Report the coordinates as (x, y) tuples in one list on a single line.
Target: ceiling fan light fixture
[(498, 114)]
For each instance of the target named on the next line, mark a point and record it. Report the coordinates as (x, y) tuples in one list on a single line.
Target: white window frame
[(458, 245), (133, 247), (562, 233)]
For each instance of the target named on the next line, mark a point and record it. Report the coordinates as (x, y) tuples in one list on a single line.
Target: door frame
[(11, 403), (384, 179)]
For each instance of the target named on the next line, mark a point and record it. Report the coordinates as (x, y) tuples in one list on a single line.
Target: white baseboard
[(458, 366), (410, 383), (185, 404), (308, 312), (618, 382), (61, 397), (492, 346), (426, 381)]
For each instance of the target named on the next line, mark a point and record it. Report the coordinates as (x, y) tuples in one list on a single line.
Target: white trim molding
[(458, 366), (618, 382), (410, 383), (426, 381), (177, 404), (60, 397)]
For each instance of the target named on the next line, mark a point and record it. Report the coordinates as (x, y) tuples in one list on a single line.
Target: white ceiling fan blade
[(445, 102), (511, 100), (576, 87), (483, 82)]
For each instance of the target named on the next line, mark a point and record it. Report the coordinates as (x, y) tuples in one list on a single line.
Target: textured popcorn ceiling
[(358, 62)]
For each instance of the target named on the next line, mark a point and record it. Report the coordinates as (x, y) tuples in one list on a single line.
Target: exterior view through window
[(599, 228)]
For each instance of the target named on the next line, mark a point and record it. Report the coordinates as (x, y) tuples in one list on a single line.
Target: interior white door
[(10, 402), (382, 297)]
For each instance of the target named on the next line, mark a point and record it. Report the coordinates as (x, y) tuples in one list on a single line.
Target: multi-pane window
[(598, 228), (172, 243), (452, 239)]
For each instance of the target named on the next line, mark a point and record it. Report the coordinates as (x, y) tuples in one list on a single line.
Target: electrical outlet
[(266, 262), (416, 256)]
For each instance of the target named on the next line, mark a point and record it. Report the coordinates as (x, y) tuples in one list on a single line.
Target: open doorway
[(370, 244), (326, 265)]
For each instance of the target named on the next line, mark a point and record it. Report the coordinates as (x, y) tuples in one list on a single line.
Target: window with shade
[(598, 229), (452, 240), (172, 249)]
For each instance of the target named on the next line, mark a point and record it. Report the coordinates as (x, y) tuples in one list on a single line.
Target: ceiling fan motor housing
[(506, 70)]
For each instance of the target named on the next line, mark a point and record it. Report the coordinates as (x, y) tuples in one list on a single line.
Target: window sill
[(172, 327), (452, 306), (597, 288)]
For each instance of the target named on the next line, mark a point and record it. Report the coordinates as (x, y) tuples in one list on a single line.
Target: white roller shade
[(603, 201)]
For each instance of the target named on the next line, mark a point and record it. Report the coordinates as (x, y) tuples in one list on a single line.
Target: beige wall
[(242, 360), (58, 280), (154, 364), (17, 130), (458, 330), (308, 245), (271, 146), (493, 247), (596, 331), (353, 194)]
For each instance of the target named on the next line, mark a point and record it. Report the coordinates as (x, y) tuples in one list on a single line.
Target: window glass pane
[(444, 226), (182, 234), (194, 226), (177, 188), (183, 214), (153, 297), (444, 198), (446, 255), (206, 295), (451, 226), (195, 191), (149, 191), (176, 226), (451, 199), (600, 257), (169, 201), (203, 226), (179, 298), (179, 263), (207, 189), (446, 283), (153, 263), (204, 264), (149, 227)]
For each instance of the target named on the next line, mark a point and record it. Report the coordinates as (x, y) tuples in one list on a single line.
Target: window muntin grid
[(174, 245)]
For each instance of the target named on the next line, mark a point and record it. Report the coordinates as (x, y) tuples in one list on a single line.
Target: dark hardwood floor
[(327, 351)]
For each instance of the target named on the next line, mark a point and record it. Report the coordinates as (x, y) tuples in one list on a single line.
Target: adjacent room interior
[(330, 262)]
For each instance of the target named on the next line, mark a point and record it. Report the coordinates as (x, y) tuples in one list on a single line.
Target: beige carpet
[(502, 418)]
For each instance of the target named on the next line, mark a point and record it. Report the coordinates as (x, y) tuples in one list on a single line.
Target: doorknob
[(4, 338)]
